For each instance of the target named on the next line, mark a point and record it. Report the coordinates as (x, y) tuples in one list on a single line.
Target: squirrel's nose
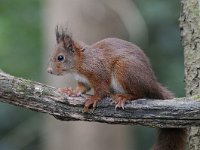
[(50, 70)]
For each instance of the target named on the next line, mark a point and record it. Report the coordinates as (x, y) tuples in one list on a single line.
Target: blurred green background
[(21, 55)]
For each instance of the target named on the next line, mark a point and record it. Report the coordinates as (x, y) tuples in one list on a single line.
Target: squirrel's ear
[(68, 43), (57, 34)]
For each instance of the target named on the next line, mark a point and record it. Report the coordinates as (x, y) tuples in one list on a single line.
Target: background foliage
[(20, 55)]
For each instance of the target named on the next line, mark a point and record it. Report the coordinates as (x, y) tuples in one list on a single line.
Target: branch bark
[(178, 112)]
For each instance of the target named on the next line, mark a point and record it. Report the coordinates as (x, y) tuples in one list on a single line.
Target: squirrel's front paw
[(67, 91), (90, 101)]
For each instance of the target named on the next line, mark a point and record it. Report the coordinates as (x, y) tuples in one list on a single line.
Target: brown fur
[(82, 88), (171, 139), (113, 67)]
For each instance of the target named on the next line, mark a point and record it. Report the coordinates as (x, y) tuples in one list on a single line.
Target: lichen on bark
[(190, 35)]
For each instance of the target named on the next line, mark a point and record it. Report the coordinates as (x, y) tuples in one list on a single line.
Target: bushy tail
[(171, 139)]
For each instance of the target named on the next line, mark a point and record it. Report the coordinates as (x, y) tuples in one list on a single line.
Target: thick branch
[(180, 112)]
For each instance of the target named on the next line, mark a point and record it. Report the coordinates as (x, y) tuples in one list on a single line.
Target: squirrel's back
[(126, 51), (114, 43), (118, 48)]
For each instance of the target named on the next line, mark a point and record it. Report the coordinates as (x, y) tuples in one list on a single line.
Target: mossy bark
[(190, 34)]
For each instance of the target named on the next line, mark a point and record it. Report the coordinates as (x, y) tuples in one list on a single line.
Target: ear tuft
[(63, 35), (57, 34)]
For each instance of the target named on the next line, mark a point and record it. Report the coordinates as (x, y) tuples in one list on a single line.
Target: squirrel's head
[(62, 59)]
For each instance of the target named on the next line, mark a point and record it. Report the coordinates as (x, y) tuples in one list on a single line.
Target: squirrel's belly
[(115, 86), (81, 78)]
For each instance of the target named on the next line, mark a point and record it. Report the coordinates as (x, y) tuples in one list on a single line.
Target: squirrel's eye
[(60, 58)]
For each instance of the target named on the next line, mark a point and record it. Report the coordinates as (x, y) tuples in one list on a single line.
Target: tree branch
[(178, 112)]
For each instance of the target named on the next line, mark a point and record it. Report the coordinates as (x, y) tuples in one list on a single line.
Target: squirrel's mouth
[(65, 71), (50, 71), (59, 72)]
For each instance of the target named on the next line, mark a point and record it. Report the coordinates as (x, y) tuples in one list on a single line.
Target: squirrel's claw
[(67, 91), (119, 101), (85, 109), (120, 104), (90, 101)]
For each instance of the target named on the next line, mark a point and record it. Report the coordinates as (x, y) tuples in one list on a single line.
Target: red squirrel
[(116, 68)]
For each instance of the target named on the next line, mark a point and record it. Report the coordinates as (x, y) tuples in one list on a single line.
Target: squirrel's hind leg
[(120, 99)]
